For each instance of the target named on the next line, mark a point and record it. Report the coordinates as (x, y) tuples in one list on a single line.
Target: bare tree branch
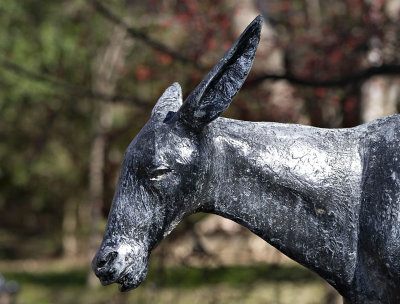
[(83, 92), (137, 34), (337, 82)]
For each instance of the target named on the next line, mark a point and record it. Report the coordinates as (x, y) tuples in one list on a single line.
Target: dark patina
[(327, 198)]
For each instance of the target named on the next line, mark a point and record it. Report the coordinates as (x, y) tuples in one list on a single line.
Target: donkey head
[(165, 167)]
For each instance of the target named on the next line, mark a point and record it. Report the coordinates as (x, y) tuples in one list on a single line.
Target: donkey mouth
[(129, 280), (126, 286)]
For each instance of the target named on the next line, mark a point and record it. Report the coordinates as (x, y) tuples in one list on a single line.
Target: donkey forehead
[(160, 144)]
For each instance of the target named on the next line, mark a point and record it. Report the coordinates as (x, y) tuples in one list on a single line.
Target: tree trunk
[(380, 94), (69, 233), (105, 74), (380, 97)]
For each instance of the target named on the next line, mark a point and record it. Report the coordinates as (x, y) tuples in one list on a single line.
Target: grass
[(239, 284), (189, 277)]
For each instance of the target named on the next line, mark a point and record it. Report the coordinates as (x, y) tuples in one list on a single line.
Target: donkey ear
[(215, 92), (170, 101)]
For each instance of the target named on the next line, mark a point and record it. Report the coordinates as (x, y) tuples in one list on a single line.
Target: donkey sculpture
[(327, 198)]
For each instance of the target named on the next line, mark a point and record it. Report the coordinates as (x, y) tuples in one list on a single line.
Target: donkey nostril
[(109, 258), (101, 263)]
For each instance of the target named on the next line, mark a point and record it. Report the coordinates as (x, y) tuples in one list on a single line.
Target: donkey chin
[(132, 277), (126, 265)]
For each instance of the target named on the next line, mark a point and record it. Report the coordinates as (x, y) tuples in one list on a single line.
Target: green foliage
[(44, 130)]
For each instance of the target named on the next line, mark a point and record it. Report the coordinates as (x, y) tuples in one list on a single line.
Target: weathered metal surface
[(327, 198)]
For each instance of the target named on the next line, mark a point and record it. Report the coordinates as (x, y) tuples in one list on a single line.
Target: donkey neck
[(297, 187)]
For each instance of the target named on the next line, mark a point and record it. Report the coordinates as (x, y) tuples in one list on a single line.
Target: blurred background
[(78, 79)]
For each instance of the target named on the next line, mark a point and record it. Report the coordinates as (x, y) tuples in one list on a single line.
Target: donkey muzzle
[(124, 264)]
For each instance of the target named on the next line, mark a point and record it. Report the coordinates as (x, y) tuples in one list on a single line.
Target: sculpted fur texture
[(327, 198)]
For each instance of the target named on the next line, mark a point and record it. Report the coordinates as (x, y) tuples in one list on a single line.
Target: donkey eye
[(158, 173)]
